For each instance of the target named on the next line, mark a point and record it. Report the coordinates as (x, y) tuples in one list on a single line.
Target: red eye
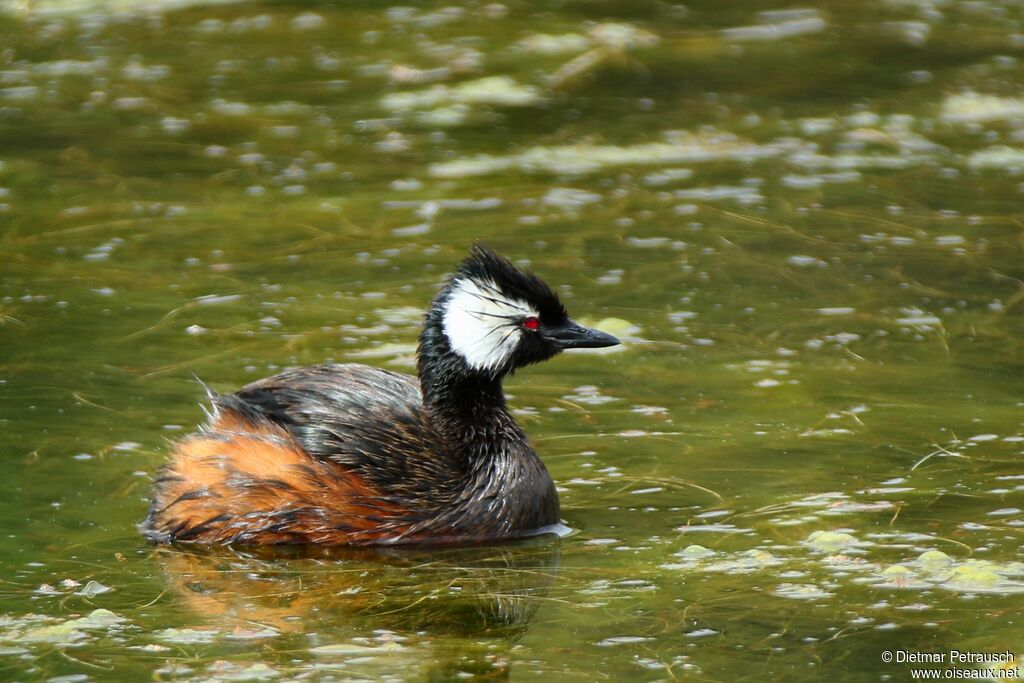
[(531, 323)]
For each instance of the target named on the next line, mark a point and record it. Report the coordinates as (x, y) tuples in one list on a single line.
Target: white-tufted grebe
[(356, 455)]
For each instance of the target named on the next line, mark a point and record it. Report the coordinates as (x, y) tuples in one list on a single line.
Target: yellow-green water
[(806, 224)]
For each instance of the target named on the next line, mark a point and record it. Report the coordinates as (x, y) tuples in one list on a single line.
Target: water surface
[(805, 222)]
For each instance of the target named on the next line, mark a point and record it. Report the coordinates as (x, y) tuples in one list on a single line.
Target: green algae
[(186, 636), (230, 672), (934, 560), (801, 591), (831, 541), (61, 633), (695, 552), (698, 558)]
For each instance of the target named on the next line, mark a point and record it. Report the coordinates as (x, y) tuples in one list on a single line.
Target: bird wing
[(363, 418)]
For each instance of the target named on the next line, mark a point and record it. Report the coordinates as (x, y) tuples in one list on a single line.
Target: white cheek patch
[(482, 324)]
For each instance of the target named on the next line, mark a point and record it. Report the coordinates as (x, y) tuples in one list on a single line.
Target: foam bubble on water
[(622, 640), (837, 310), (412, 230), (981, 438), (800, 26), (1000, 157), (308, 21), (701, 633), (551, 45), (804, 261), (569, 198), (973, 107), (583, 159)]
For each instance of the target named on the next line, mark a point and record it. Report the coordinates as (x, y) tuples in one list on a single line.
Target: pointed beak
[(571, 335)]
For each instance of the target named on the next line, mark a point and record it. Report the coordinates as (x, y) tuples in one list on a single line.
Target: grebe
[(356, 455)]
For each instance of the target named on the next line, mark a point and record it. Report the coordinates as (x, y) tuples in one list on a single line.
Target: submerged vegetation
[(805, 223)]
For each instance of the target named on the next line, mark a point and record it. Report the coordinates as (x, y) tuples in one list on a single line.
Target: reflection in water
[(334, 595)]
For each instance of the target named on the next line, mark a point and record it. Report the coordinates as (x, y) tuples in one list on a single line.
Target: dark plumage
[(350, 454)]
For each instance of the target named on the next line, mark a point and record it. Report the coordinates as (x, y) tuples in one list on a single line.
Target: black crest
[(485, 264)]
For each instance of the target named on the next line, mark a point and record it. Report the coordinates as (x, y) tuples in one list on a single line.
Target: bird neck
[(505, 488), (466, 407)]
